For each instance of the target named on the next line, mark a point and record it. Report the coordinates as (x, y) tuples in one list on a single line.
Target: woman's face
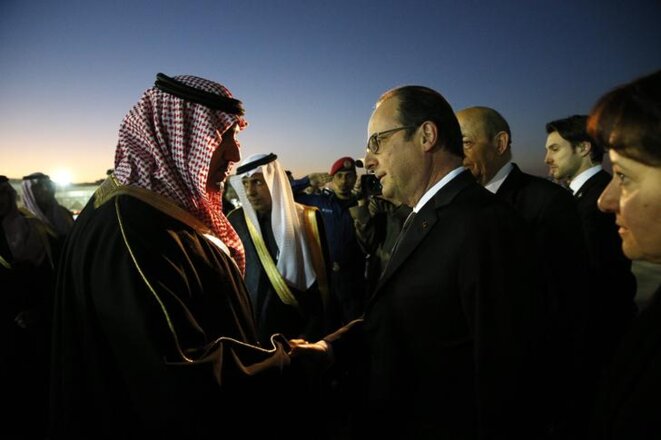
[(634, 195)]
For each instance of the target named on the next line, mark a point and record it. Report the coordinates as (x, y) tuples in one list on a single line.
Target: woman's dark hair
[(628, 120)]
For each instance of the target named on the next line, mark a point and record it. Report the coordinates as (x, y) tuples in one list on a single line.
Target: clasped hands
[(318, 353)]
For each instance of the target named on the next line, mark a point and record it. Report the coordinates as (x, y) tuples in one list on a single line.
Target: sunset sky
[(308, 72)]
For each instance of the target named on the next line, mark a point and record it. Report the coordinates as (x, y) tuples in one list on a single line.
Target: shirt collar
[(579, 180), (437, 186), (497, 180)]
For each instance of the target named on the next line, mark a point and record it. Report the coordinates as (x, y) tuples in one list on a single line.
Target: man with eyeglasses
[(443, 345)]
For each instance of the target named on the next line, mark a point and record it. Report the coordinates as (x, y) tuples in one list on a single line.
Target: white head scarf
[(295, 259), (56, 217), (165, 145)]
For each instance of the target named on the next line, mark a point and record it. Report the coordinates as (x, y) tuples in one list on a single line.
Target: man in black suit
[(443, 347), (573, 157), (559, 252)]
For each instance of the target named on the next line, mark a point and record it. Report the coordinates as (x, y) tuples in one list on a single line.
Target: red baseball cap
[(343, 164)]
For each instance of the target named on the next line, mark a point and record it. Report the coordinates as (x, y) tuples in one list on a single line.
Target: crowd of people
[(446, 294)]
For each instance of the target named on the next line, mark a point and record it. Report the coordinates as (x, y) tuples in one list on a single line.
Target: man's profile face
[(258, 193), (222, 159), (398, 162), (561, 157), (480, 151)]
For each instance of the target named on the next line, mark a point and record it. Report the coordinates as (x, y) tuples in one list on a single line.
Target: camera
[(370, 185)]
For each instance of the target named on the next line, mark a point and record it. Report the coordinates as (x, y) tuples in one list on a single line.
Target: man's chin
[(389, 195)]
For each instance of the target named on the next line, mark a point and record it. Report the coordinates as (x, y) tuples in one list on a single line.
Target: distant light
[(61, 178)]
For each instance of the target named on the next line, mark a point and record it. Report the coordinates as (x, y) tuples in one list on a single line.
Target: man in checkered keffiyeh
[(153, 331), (166, 144)]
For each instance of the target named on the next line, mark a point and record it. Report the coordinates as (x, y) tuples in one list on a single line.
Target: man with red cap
[(343, 177), (347, 258)]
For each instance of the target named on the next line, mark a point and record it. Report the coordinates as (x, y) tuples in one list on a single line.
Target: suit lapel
[(593, 181), (421, 225), (508, 189)]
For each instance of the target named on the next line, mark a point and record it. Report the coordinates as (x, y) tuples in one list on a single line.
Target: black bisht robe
[(153, 332)]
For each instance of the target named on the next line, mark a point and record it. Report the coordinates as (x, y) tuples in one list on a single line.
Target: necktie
[(405, 227)]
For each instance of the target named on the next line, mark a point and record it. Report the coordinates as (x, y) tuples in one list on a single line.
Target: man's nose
[(232, 153), (370, 161)]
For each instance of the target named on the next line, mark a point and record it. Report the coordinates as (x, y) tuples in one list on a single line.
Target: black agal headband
[(259, 162), (207, 99)]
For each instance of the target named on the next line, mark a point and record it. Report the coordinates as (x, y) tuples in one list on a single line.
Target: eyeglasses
[(373, 142)]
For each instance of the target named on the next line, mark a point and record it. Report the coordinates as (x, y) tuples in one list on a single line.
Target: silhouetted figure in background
[(378, 223), (39, 198), (26, 287)]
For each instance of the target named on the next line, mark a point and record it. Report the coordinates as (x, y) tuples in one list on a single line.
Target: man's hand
[(318, 353), (318, 180)]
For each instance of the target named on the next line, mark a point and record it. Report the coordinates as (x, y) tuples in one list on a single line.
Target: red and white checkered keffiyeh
[(165, 145)]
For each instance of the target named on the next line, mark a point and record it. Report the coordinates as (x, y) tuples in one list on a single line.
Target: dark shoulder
[(126, 215), (322, 199), (544, 185), (543, 191), (234, 213), (597, 183), (469, 195), (475, 211), (142, 216), (152, 234)]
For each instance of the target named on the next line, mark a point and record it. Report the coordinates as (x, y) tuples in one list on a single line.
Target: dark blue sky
[(309, 71)]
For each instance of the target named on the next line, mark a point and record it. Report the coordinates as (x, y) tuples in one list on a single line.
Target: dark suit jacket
[(614, 285), (629, 403), (444, 337), (560, 254)]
